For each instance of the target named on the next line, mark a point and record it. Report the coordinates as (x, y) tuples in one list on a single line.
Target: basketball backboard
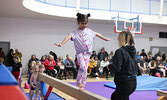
[(124, 24)]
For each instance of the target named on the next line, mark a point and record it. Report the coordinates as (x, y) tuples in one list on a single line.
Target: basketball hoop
[(134, 25), (132, 30)]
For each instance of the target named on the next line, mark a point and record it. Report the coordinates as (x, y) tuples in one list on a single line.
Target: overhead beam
[(70, 89)]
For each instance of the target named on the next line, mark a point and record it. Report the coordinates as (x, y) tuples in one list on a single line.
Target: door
[(155, 49), (6, 47)]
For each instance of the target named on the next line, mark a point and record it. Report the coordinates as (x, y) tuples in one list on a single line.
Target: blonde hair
[(125, 38), (35, 67), (41, 66), (153, 63), (38, 63), (34, 62)]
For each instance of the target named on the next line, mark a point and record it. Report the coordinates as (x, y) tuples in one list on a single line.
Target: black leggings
[(51, 72), (124, 90)]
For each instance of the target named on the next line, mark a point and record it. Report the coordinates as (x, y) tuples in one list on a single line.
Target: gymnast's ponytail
[(126, 38)]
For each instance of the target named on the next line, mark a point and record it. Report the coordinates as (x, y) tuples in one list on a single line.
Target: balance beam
[(69, 88), (161, 93)]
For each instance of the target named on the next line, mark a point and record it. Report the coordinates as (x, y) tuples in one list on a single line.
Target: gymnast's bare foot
[(81, 87)]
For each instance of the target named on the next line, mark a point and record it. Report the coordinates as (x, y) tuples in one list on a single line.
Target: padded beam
[(69, 88)]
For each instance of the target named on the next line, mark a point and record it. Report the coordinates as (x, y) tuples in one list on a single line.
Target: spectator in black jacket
[(102, 54), (124, 67), (10, 56)]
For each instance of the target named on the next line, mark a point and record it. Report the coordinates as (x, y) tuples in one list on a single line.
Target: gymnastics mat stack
[(9, 87)]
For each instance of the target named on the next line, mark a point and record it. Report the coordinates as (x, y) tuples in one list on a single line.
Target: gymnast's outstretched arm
[(102, 37), (66, 39)]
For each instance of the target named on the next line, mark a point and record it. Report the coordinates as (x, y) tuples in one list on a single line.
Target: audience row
[(98, 64)]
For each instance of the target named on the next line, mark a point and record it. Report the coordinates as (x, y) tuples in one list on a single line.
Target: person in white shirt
[(104, 67)]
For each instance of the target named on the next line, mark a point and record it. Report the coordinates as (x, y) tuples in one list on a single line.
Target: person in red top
[(49, 66)]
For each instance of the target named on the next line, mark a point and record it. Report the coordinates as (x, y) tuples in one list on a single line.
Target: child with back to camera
[(83, 43)]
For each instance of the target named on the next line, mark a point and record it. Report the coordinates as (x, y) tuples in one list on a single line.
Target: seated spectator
[(46, 57), (152, 67), (145, 61), (149, 58), (160, 66), (94, 54), (97, 63), (49, 66), (43, 58), (110, 56), (158, 54), (138, 55), (165, 61), (149, 53), (62, 69), (54, 55), (92, 67), (143, 53), (61, 58), (163, 56), (19, 54), (33, 58), (141, 66), (76, 62), (70, 66), (102, 54), (67, 57), (104, 67), (103, 49), (17, 69)]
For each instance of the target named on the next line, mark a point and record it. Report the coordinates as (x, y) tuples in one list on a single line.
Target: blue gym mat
[(10, 68), (146, 82), (6, 78), (52, 96)]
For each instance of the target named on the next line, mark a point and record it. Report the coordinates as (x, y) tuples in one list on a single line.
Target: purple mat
[(100, 89)]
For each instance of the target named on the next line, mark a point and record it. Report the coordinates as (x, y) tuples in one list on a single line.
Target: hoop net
[(132, 30)]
